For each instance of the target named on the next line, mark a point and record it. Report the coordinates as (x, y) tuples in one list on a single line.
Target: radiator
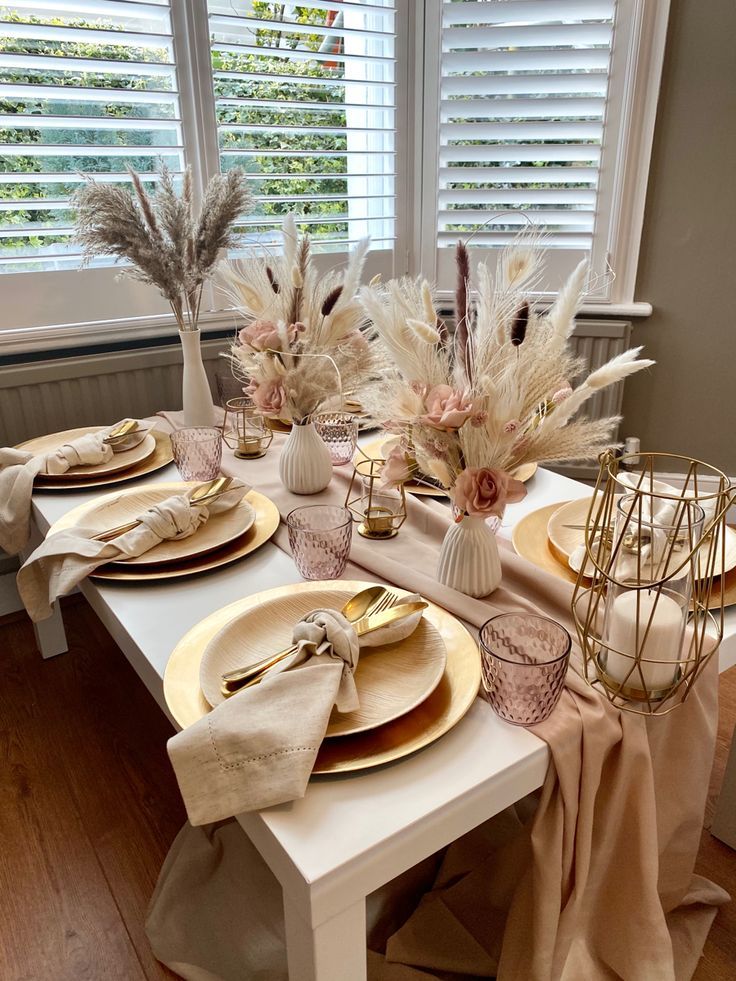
[(101, 388), (93, 389)]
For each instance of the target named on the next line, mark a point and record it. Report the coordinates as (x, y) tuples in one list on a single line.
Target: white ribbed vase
[(469, 560), (305, 466), (195, 389)]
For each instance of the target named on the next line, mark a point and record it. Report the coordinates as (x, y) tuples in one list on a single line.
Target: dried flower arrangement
[(468, 411), (306, 339), (159, 235)]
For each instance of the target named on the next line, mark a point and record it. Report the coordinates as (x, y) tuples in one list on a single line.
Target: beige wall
[(687, 270)]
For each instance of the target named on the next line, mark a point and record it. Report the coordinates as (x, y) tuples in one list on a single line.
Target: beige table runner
[(599, 884)]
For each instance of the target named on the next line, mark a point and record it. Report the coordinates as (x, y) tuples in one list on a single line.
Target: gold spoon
[(365, 603), (200, 495)]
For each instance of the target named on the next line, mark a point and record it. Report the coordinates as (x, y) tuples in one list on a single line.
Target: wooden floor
[(88, 810)]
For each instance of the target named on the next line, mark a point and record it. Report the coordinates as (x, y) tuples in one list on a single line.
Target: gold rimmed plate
[(420, 727), (391, 679), (123, 506), (530, 540), (120, 461), (266, 522), (160, 457), (374, 450)]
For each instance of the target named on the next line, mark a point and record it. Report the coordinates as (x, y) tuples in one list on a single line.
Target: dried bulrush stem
[(518, 328), (330, 300), (272, 280)]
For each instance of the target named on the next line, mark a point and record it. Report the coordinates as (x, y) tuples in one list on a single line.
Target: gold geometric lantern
[(648, 602), (380, 511), (244, 429)]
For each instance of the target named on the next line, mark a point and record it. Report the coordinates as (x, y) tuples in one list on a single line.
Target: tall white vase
[(469, 560), (196, 395), (305, 466)]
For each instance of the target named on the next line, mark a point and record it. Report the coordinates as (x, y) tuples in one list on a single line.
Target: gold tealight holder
[(245, 430), (379, 511)]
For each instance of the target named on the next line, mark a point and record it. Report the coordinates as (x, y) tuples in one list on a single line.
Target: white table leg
[(724, 819), (333, 951), (50, 634)]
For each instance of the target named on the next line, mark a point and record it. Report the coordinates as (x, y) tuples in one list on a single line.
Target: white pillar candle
[(663, 641)]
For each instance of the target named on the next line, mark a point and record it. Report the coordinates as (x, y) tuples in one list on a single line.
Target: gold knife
[(362, 627)]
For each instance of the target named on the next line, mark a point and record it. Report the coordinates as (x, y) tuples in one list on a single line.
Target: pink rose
[(483, 492), (268, 396), (446, 408), (263, 335), (561, 395), (355, 343), (395, 469)]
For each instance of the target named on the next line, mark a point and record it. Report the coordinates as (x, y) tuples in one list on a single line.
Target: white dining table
[(350, 834)]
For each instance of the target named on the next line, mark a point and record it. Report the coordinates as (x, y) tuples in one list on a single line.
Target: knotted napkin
[(258, 747), (18, 470), (64, 559)]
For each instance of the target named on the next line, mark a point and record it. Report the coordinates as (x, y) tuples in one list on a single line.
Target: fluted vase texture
[(305, 466), (469, 559), (197, 402)]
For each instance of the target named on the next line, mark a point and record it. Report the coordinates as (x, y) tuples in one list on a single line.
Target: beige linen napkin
[(64, 559), (18, 470), (258, 747)]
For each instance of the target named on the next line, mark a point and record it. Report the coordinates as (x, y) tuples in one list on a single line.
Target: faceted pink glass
[(524, 660), (319, 536), (197, 452), (339, 432)]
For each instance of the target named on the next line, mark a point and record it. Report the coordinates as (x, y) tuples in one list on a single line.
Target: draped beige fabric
[(598, 883)]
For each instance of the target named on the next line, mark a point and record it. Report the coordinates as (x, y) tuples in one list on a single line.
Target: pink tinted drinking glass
[(339, 432), (524, 660), (197, 452), (319, 536)]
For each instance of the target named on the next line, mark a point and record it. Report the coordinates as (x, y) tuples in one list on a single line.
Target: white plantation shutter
[(85, 86), (305, 102), (521, 124)]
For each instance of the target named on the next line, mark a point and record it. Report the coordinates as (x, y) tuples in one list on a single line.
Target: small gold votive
[(379, 511), (245, 430)]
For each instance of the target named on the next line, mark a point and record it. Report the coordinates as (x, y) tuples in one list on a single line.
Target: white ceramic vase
[(196, 395), (469, 560), (305, 466)]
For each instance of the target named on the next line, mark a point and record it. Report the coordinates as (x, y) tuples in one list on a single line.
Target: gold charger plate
[(266, 522), (374, 450), (118, 508), (391, 679), (530, 540), (160, 457), (120, 461), (436, 715)]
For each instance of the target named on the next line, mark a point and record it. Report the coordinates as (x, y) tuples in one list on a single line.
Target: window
[(530, 118), (305, 103), (412, 121)]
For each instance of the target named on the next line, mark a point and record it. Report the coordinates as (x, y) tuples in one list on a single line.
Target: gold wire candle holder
[(379, 511), (245, 430), (649, 598)]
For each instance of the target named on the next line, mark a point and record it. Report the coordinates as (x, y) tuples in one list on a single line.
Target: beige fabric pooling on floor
[(258, 747), (18, 470), (63, 560), (606, 889)]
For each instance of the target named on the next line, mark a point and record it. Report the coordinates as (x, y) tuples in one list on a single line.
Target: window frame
[(38, 307)]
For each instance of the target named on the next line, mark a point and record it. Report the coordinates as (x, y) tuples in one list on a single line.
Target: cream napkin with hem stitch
[(18, 470), (258, 748), (64, 559)]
